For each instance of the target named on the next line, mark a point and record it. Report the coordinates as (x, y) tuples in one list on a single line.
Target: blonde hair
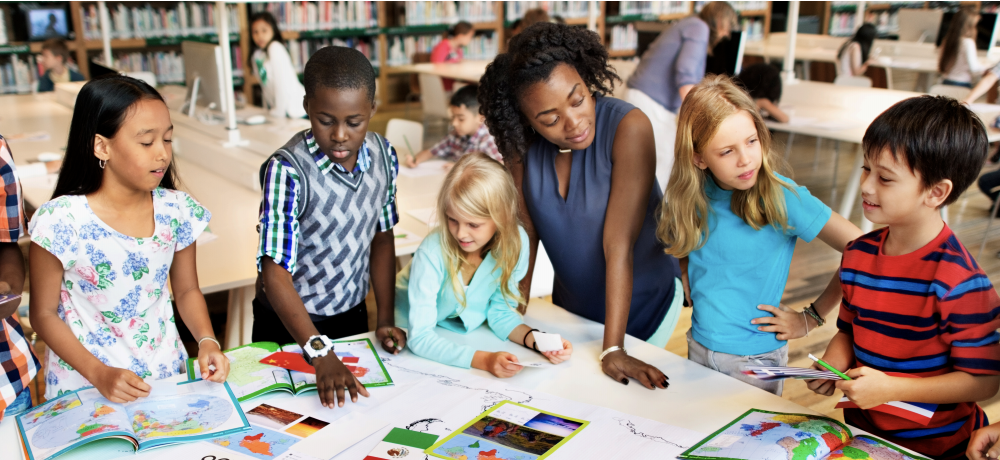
[(479, 187), (713, 13), (683, 224)]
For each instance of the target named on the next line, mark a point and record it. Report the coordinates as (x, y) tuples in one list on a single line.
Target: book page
[(185, 412), (869, 448), (763, 435), (248, 378), (363, 361), (301, 381), (72, 420)]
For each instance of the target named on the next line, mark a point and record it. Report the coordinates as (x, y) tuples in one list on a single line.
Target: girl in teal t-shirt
[(733, 222)]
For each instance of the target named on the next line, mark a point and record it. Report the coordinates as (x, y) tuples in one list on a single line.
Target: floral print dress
[(114, 289)]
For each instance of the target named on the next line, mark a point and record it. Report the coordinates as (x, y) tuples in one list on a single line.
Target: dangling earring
[(101, 163)]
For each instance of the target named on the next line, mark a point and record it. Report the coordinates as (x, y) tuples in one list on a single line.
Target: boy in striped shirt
[(919, 317)]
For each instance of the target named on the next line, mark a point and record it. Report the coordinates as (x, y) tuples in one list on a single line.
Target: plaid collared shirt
[(454, 146), (279, 211), (16, 356)]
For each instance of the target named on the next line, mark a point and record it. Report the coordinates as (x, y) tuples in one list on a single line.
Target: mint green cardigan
[(425, 299)]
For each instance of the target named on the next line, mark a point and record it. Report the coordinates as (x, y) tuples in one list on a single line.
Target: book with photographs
[(85, 425), (250, 378)]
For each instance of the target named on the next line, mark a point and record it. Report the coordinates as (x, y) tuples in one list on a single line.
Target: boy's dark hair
[(937, 136), (461, 28), (762, 81), (466, 96), (338, 67), (57, 47), (530, 58), (102, 107), (276, 37)]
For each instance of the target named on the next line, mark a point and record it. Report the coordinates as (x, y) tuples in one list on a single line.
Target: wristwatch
[(317, 346)]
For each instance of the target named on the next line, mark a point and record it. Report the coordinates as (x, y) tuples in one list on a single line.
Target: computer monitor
[(727, 56), (919, 25), (984, 29), (46, 23), (203, 76)]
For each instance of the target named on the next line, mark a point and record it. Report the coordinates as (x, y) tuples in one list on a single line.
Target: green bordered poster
[(509, 431), (763, 435)]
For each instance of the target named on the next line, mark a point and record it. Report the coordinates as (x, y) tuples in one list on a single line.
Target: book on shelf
[(635, 8), (301, 50), (83, 424), (16, 76), (566, 10), (147, 21), (740, 6), (168, 66), (3, 26), (301, 16), (624, 37)]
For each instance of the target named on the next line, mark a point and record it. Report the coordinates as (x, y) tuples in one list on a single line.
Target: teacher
[(583, 165), (672, 65)]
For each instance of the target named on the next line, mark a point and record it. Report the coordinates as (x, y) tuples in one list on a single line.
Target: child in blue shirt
[(733, 222), (468, 273)]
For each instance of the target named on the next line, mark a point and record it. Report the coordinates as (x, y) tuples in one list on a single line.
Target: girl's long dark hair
[(865, 36), (275, 36), (963, 24), (102, 107)]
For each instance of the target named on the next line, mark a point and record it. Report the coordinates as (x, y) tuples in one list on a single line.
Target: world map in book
[(76, 419), (258, 443), (460, 449), (776, 436), (178, 416), (865, 448)]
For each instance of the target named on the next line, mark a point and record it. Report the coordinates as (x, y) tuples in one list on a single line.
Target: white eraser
[(548, 342)]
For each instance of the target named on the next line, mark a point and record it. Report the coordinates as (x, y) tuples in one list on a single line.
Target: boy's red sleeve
[(970, 316)]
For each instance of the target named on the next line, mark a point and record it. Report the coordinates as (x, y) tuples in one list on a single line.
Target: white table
[(847, 112), (698, 399)]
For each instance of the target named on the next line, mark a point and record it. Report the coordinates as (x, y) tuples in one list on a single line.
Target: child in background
[(102, 248), (327, 212), (852, 57), (279, 81), (17, 359), (450, 49), (734, 222), (55, 60), (763, 83), (916, 303), (468, 132), (468, 273), (958, 62)]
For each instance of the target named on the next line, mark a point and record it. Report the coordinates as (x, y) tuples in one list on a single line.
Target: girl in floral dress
[(103, 247)]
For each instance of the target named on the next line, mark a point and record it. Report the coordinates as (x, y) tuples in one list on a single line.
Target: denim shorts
[(732, 365)]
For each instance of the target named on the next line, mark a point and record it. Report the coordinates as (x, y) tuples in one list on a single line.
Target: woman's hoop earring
[(101, 163)]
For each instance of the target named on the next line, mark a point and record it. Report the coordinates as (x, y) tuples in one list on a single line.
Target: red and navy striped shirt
[(926, 313)]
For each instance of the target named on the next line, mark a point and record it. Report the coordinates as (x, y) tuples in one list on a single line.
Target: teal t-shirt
[(739, 268)]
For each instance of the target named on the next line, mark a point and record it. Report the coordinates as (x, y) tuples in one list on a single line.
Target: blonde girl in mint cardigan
[(467, 271)]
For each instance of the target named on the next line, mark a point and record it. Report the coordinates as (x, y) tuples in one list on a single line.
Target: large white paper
[(425, 215), (427, 168)]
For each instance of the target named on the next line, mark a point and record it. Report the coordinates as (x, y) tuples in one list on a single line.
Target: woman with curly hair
[(672, 65), (583, 164)]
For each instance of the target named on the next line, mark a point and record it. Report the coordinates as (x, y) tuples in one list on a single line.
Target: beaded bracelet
[(811, 311)]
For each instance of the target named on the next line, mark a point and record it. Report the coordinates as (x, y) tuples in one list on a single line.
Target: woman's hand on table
[(621, 367), (333, 378), (558, 356), (500, 363)]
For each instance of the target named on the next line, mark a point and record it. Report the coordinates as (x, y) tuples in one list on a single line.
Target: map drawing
[(631, 427), (178, 415), (490, 398), (260, 443)]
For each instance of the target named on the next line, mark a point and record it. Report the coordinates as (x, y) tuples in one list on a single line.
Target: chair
[(405, 135), (433, 97), (993, 214), (952, 91)]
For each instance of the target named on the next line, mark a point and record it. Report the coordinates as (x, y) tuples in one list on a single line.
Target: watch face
[(316, 344)]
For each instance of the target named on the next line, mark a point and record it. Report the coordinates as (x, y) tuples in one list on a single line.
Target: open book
[(85, 425), (764, 435), (250, 378)]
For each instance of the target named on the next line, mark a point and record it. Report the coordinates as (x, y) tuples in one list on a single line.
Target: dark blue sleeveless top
[(573, 230)]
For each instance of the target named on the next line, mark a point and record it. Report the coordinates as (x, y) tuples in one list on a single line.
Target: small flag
[(288, 360), (921, 413), (400, 443)]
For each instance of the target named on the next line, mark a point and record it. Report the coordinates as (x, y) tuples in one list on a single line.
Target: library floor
[(812, 265)]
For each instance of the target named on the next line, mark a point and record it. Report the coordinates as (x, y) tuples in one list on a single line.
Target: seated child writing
[(468, 134), (763, 82), (468, 273), (916, 304), (103, 247)]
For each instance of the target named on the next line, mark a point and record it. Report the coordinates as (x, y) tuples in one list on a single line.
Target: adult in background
[(672, 65), (583, 165)]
